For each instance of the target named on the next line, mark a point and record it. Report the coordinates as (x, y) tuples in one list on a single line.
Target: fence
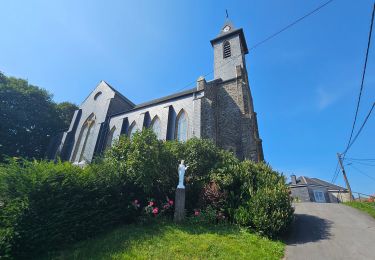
[(357, 196)]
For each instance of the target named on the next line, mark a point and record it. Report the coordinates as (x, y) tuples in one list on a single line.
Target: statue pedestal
[(179, 210)]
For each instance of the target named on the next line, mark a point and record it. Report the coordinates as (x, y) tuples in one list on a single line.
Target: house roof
[(306, 181)]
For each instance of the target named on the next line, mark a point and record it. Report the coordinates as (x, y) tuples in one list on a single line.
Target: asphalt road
[(330, 231)]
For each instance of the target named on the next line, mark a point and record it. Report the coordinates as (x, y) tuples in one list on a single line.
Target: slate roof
[(159, 100), (162, 99), (303, 180), (119, 94)]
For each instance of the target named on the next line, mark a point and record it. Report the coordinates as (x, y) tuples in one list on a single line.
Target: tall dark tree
[(66, 111), (28, 118)]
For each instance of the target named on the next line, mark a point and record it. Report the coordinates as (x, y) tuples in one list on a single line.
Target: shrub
[(47, 205), (256, 196), (270, 210), (144, 164), (151, 165), (205, 216), (263, 197)]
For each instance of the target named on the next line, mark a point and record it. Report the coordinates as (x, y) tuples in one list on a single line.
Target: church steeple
[(227, 27), (229, 51)]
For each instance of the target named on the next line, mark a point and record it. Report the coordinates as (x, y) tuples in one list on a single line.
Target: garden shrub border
[(46, 205)]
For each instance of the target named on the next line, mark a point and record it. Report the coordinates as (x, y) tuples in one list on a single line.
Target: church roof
[(159, 100), (119, 94), (162, 99)]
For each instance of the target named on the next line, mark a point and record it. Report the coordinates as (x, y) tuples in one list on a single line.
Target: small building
[(305, 189)]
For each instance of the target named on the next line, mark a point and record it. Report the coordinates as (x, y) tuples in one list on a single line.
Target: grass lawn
[(368, 207), (170, 241)]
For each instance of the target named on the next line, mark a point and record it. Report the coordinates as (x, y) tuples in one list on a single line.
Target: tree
[(66, 111), (28, 118)]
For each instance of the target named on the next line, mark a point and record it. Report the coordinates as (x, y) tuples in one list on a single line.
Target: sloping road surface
[(330, 231)]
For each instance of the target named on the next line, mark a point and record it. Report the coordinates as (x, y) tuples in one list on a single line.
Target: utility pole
[(345, 178)]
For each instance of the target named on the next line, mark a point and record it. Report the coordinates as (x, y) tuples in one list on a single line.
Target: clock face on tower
[(226, 28)]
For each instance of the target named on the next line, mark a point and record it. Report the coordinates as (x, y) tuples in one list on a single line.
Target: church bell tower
[(231, 116), (230, 49)]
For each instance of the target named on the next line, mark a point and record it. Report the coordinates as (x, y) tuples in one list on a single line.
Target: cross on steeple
[(226, 11)]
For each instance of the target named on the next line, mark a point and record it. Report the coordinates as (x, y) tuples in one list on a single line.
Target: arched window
[(181, 126), (110, 138), (132, 129), (226, 50), (84, 135), (155, 126), (97, 95)]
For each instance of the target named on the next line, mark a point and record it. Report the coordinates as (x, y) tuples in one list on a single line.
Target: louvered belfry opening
[(226, 49)]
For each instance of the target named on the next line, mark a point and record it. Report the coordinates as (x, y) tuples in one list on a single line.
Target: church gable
[(103, 101)]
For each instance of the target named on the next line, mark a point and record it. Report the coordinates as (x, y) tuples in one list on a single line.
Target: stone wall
[(301, 193), (228, 117)]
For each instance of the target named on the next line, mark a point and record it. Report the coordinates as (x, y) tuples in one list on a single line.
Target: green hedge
[(45, 205)]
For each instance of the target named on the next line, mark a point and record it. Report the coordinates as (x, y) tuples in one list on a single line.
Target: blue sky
[(304, 82)]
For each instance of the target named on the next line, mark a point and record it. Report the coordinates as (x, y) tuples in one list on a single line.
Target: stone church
[(221, 110)]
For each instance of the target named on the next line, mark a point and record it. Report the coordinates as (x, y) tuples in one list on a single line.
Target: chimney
[(293, 178)]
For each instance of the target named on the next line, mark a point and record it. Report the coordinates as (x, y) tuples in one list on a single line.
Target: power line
[(360, 129), (362, 81), (290, 25), (333, 180), (354, 139), (360, 159), (266, 39), (362, 163), (360, 171)]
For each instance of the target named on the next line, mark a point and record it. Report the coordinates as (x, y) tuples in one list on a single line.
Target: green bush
[(151, 165), (46, 205), (144, 164), (260, 199), (216, 180)]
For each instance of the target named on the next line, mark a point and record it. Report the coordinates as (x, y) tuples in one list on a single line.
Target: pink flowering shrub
[(154, 209)]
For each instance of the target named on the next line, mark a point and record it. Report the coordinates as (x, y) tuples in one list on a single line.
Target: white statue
[(181, 175)]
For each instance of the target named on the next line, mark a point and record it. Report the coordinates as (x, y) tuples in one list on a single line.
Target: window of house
[(181, 127), (319, 196), (226, 50), (155, 126)]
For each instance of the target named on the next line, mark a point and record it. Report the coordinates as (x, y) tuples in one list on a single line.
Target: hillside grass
[(170, 241), (368, 207)]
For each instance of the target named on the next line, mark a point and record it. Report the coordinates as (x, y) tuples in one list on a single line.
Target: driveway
[(330, 231)]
